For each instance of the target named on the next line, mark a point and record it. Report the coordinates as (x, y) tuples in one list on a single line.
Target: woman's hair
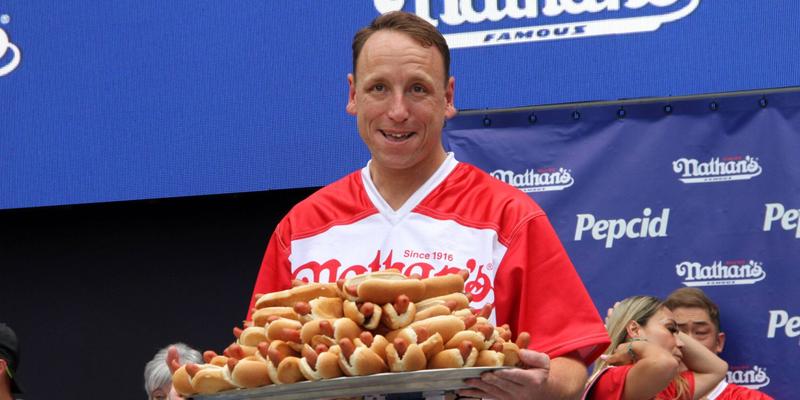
[(156, 372), (639, 309)]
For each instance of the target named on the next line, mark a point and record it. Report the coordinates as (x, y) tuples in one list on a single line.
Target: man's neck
[(397, 186)]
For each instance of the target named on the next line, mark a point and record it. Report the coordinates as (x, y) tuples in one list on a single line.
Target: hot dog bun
[(404, 357), (359, 360), (382, 287), (463, 356), (445, 284), (367, 315), (250, 372), (489, 358), (289, 297), (320, 365)]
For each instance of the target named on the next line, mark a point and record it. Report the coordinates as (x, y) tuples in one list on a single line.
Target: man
[(9, 360), (698, 317), (417, 209), (158, 372)]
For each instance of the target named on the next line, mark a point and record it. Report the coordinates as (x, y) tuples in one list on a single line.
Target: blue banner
[(131, 99), (651, 196)]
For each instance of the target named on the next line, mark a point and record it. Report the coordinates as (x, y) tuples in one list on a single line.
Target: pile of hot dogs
[(368, 324)]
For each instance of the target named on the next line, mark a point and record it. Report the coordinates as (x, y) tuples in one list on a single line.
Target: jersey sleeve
[(538, 291), (610, 385), (275, 272)]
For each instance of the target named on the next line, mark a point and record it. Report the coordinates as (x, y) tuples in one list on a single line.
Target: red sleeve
[(275, 272), (735, 392), (538, 291), (610, 385)]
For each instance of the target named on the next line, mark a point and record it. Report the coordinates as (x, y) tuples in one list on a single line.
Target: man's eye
[(379, 87), (418, 89)]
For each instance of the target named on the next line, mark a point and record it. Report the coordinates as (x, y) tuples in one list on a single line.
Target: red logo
[(479, 284)]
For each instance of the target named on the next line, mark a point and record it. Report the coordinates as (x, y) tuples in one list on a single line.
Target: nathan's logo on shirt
[(479, 284), (733, 168), (541, 18), (539, 180), (613, 229), (789, 219), (9, 53), (751, 378), (779, 320), (736, 272)]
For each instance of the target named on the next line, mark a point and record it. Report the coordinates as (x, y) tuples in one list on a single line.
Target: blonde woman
[(645, 353)]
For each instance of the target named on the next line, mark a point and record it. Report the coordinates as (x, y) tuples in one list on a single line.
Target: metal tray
[(386, 383)]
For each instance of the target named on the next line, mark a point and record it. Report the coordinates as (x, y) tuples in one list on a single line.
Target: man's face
[(401, 100), (696, 323)]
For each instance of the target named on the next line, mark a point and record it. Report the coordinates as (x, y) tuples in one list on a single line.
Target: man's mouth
[(396, 136)]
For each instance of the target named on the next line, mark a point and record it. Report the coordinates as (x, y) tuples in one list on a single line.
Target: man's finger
[(490, 390), (534, 359)]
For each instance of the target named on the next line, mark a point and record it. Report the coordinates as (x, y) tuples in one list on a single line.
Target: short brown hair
[(694, 297), (410, 24)]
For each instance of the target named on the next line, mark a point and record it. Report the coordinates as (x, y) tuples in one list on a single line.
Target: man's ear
[(450, 110), (634, 329), (351, 100), (3, 366), (720, 342)]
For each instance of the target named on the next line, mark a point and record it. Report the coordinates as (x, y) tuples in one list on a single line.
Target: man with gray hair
[(157, 376)]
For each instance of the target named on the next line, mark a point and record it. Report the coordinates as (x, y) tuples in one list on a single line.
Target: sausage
[(347, 347), (401, 345), (401, 304), (465, 348), (302, 308)]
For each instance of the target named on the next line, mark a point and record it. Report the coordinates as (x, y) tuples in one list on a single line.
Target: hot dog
[(289, 297), (319, 308), (445, 284), (382, 287), (445, 325), (209, 379), (399, 313), (367, 315), (465, 355), (328, 331), (489, 358), (319, 363), (260, 317), (359, 360), (282, 367), (287, 330), (403, 357), (249, 372)]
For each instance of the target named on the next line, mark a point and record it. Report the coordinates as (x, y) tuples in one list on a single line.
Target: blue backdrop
[(131, 99), (653, 196)]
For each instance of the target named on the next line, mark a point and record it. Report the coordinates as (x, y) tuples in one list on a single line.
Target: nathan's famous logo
[(736, 272), (478, 284), (539, 180), (9, 53), (751, 378), (613, 229), (596, 18), (790, 219), (733, 168), (781, 319)]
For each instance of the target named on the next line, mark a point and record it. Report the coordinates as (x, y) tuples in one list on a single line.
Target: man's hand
[(516, 383)]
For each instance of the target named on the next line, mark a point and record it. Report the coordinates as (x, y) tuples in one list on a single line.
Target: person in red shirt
[(415, 208), (645, 355), (698, 317)]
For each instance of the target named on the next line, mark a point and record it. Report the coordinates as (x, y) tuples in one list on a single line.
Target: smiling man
[(698, 317), (415, 208)]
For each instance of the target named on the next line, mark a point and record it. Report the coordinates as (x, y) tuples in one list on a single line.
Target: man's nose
[(398, 110)]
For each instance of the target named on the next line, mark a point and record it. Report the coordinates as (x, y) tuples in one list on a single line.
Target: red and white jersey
[(460, 218), (729, 391)]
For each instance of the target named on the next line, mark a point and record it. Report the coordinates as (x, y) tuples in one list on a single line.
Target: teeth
[(397, 135)]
